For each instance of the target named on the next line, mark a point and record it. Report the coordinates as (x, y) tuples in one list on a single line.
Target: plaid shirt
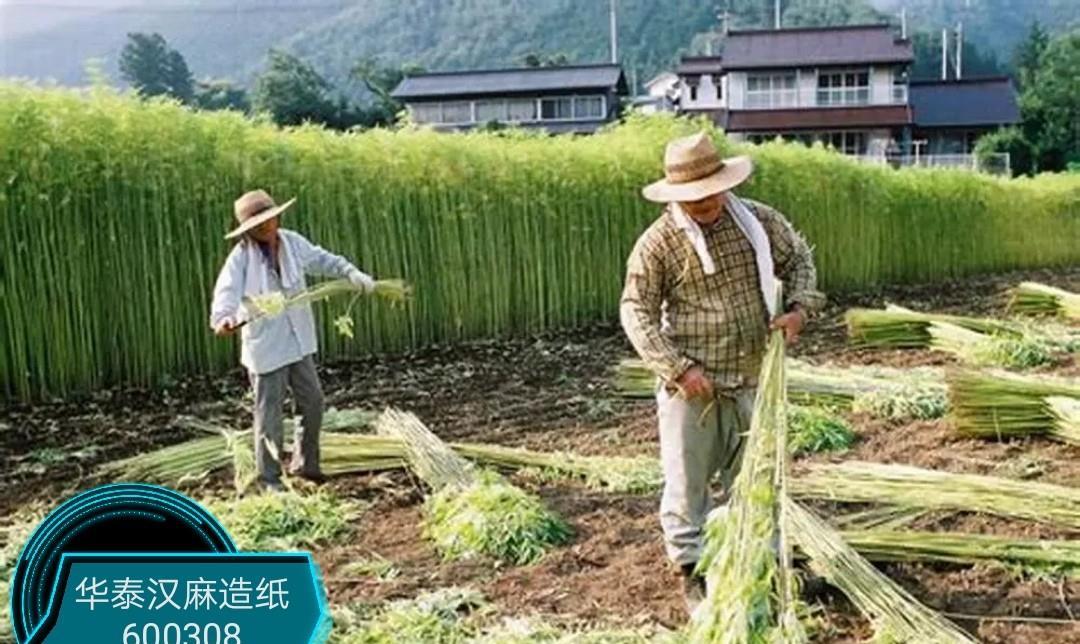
[(676, 316)]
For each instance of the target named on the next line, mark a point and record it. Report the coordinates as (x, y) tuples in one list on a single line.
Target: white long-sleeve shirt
[(271, 343)]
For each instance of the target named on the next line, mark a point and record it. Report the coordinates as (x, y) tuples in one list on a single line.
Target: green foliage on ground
[(286, 521), (813, 429), (494, 519)]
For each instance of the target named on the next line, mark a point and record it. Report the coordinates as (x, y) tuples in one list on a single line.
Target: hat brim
[(259, 219), (736, 170)]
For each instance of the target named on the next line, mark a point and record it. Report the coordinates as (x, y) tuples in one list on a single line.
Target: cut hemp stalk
[(913, 487), (895, 614), (275, 303), (1036, 554), (1032, 298), (472, 512), (1001, 405), (747, 559), (883, 392), (918, 393), (343, 453), (977, 341)]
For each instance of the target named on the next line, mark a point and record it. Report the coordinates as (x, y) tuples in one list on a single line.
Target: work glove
[(362, 280)]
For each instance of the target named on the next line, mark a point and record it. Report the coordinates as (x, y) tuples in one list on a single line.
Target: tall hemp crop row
[(114, 210)]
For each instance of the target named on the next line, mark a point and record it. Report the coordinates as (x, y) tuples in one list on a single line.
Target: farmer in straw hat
[(698, 304), (277, 351)]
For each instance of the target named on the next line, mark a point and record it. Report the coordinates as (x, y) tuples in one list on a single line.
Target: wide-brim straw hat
[(254, 208), (693, 170)]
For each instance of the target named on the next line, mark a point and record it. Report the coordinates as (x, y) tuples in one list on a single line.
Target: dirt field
[(553, 393)]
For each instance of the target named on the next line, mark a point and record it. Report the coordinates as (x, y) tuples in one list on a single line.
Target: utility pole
[(714, 43), (945, 54), (776, 12), (903, 23), (614, 35), (959, 49)]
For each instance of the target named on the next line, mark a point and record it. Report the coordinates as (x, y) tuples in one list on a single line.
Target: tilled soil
[(553, 392)]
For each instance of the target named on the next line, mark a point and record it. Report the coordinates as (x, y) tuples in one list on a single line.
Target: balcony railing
[(836, 96), (999, 163), (823, 97)]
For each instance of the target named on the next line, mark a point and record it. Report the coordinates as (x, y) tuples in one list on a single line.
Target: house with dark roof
[(571, 99), (846, 86), (950, 116)]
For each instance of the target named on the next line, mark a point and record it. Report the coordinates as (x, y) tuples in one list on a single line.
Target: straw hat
[(253, 208), (694, 170)]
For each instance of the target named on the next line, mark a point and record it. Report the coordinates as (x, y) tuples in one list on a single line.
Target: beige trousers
[(694, 447)]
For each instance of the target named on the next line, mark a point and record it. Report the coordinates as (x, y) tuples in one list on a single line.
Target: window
[(718, 83), (589, 107), (768, 91), (900, 87), (459, 112), (845, 142), (556, 108), (693, 92), (427, 112), (521, 109), (487, 111), (843, 87)]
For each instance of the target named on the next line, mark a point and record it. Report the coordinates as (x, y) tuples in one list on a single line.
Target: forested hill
[(230, 38)]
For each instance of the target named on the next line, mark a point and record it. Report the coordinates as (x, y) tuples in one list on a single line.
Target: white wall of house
[(878, 141), (807, 83), (709, 94), (880, 89), (881, 79), (736, 87), (663, 85)]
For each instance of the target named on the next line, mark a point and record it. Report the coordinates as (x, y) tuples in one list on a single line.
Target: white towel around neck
[(753, 230), (257, 276)]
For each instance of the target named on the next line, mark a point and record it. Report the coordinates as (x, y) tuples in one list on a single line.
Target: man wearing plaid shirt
[(695, 309)]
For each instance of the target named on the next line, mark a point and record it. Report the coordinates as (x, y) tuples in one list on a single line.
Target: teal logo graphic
[(142, 564)]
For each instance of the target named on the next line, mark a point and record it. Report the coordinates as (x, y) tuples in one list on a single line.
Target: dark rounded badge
[(118, 518)]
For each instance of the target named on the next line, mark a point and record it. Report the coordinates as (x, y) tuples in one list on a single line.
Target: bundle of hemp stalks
[(898, 394), (1032, 298), (747, 555), (976, 341), (903, 545), (894, 613), (1002, 405), (275, 303), (913, 487), (917, 393), (192, 462), (471, 512), (351, 453)]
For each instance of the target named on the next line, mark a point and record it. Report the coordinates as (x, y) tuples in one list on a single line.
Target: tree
[(292, 92), (155, 69), (829, 13), (540, 60), (1050, 105), (218, 94), (380, 80), (1028, 53), (927, 63), (1009, 140)]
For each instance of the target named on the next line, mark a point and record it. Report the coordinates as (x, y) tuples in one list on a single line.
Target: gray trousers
[(694, 448), (269, 388)]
